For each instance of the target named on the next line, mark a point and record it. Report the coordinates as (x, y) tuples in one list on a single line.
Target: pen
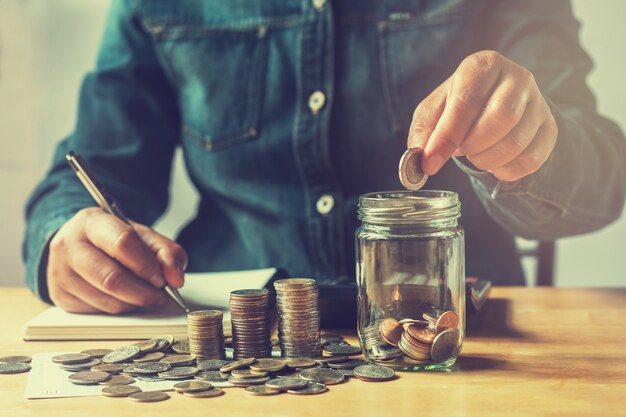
[(107, 203)]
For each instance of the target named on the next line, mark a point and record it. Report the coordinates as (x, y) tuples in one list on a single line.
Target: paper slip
[(48, 380)]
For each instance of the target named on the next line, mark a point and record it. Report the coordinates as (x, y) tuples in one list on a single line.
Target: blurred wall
[(47, 46)]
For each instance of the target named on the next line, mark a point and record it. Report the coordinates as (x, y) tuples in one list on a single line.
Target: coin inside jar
[(410, 169), (390, 331)]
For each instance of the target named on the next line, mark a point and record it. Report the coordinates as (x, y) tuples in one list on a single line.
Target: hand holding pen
[(99, 261)]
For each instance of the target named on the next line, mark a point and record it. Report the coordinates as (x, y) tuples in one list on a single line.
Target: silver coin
[(410, 169), (181, 346), (323, 375), (349, 364), (71, 358), (211, 376), (13, 368), (374, 373), (261, 390), (120, 390), (16, 359), (149, 397), (210, 364), (312, 388), (122, 354), (148, 368), (180, 372), (342, 350), (88, 377), (284, 384), (237, 364)]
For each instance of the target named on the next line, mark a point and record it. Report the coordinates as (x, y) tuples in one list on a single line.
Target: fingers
[(426, 116), (512, 144), (170, 254), (85, 298), (109, 277), (533, 157), (503, 111), (120, 241), (471, 86)]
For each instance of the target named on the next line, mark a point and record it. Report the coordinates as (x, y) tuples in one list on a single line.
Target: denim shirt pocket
[(420, 50), (219, 73)]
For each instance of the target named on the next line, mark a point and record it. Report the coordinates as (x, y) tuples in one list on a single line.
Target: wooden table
[(531, 352)]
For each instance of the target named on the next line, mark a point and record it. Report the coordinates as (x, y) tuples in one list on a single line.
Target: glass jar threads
[(410, 269)]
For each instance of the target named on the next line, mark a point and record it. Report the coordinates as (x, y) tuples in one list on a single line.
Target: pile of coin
[(298, 317), (431, 340), (206, 334), (250, 319), (15, 364)]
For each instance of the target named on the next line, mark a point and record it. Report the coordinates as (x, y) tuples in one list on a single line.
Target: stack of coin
[(250, 319), (298, 317), (206, 334)]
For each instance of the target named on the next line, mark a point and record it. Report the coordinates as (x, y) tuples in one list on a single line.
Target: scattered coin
[(111, 368), (267, 365), (181, 346), (211, 376), (163, 342), (88, 377), (122, 354), (179, 360), (81, 366), (210, 364), (148, 345), (323, 375), (241, 363), (149, 397), (374, 373), (215, 392), (70, 358), (410, 169), (342, 350), (13, 368), (390, 331), (180, 372), (118, 380), (16, 359), (245, 382), (190, 386), (149, 368), (331, 359), (445, 345), (348, 373), (120, 390), (247, 373), (284, 384), (261, 390), (300, 363), (312, 388), (349, 364), (150, 357), (96, 353)]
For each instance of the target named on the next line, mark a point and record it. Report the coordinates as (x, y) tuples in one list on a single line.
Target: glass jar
[(410, 269)]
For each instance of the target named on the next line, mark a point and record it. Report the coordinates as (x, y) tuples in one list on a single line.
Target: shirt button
[(325, 204), (316, 101), (319, 4)]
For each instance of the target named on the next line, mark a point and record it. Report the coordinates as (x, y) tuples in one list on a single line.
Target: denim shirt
[(287, 110)]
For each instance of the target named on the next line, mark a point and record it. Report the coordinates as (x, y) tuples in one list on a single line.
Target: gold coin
[(149, 397), (118, 380), (390, 331), (448, 320), (120, 390), (215, 392), (237, 364), (267, 365), (16, 359), (192, 386)]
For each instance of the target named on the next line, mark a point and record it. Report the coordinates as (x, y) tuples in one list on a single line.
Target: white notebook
[(201, 291)]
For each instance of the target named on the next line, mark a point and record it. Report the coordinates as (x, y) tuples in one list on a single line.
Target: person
[(287, 111)]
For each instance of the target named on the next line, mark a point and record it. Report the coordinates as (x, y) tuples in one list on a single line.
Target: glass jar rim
[(434, 207)]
